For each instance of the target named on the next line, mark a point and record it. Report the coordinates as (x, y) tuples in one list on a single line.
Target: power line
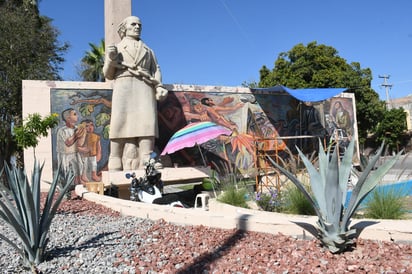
[(236, 22)]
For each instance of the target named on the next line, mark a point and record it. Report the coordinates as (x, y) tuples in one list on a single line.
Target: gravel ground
[(89, 238)]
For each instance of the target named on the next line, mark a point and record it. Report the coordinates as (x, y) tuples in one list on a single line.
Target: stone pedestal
[(170, 176)]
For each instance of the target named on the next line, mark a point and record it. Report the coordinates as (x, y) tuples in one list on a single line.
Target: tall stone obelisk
[(114, 12)]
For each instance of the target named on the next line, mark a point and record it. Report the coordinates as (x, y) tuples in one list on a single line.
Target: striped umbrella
[(192, 134)]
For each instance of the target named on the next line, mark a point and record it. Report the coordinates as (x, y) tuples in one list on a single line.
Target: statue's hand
[(112, 52), (161, 93)]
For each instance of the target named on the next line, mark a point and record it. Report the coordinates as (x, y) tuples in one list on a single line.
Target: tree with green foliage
[(30, 50), (34, 127), (391, 128), (91, 68), (320, 66)]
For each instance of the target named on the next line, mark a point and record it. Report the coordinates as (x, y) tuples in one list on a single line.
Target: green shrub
[(269, 201), (295, 202), (291, 200), (233, 196), (385, 204)]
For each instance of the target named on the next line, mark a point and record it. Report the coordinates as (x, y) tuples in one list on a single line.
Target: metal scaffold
[(267, 177)]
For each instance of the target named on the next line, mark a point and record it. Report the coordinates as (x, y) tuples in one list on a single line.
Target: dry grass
[(408, 207)]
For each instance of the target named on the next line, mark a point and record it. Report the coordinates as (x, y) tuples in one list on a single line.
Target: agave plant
[(329, 187), (21, 209)]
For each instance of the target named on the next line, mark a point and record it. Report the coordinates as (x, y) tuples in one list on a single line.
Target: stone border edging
[(226, 216)]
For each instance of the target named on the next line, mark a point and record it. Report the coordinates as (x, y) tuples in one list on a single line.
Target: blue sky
[(226, 42)]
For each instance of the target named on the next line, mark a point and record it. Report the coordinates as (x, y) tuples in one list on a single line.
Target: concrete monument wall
[(276, 117)]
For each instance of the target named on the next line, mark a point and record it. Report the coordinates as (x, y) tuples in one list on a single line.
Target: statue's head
[(130, 20)]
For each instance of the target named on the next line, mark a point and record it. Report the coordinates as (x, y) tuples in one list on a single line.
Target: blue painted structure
[(402, 188)]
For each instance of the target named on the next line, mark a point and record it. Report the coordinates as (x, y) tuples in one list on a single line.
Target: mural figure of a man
[(137, 86)]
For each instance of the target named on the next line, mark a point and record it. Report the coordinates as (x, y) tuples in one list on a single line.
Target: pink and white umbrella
[(194, 134)]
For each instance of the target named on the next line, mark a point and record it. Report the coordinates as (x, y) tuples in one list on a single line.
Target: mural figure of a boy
[(91, 153)]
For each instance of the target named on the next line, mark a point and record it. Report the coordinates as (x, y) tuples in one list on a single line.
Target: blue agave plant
[(21, 209), (329, 187)]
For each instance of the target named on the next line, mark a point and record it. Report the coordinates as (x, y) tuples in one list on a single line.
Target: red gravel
[(199, 249)]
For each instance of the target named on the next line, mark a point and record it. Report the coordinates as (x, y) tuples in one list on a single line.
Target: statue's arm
[(110, 62), (161, 92), (156, 68)]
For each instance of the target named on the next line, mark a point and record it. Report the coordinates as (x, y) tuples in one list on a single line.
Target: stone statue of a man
[(137, 86)]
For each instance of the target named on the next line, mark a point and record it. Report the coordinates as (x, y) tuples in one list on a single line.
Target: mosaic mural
[(278, 121), (90, 110)]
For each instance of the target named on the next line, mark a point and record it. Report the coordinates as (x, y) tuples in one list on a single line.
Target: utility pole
[(387, 86)]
